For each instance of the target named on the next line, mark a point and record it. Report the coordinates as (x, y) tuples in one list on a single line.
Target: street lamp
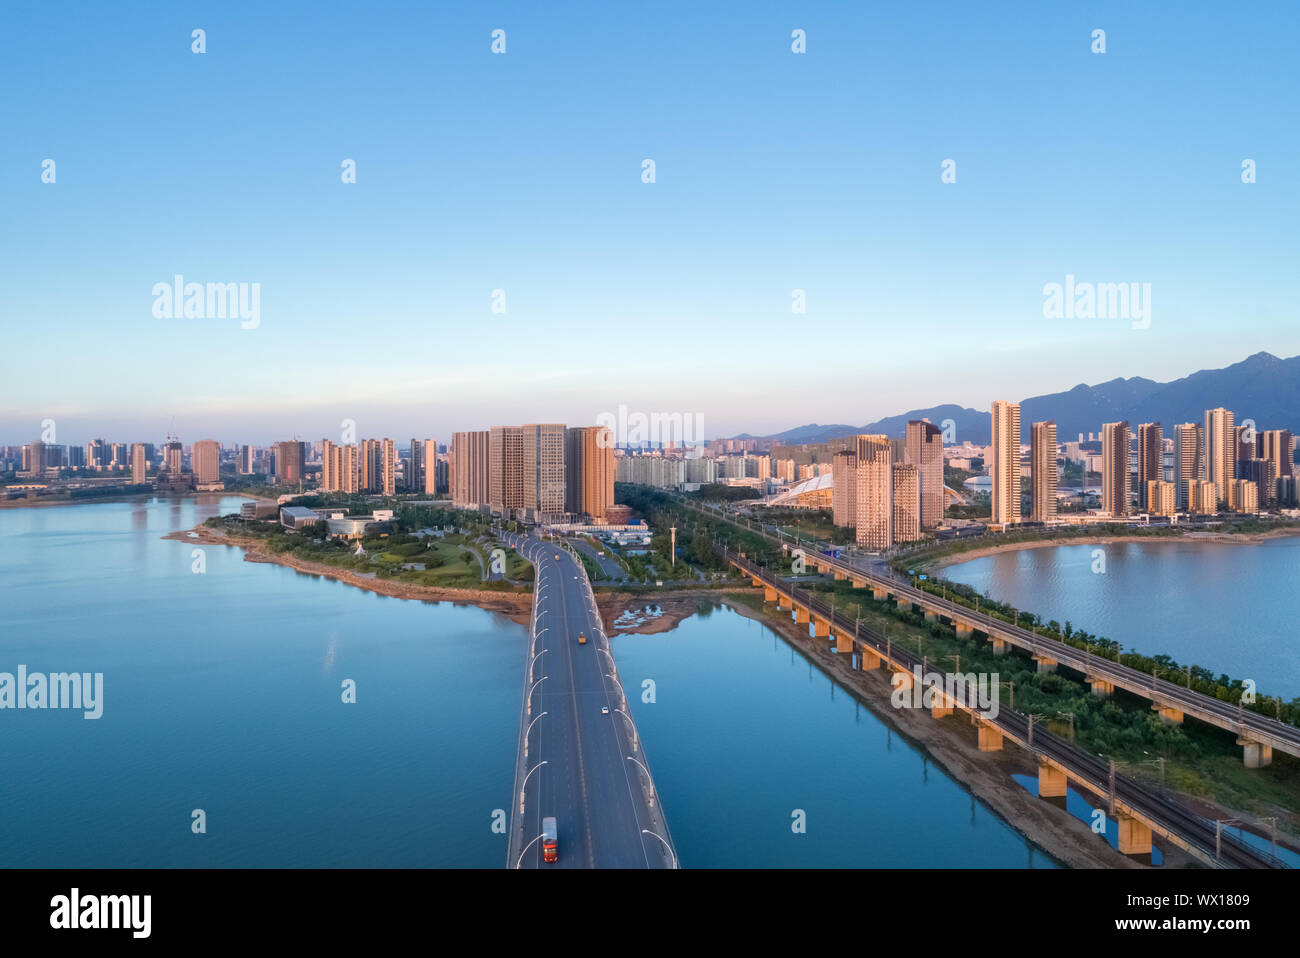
[(524, 785), (647, 831)]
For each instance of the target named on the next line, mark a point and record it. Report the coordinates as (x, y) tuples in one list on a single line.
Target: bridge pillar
[(860, 584), (868, 659), (821, 627), (1168, 714), (1045, 664), (999, 645), (1051, 781), (940, 705), (964, 631), (1101, 688), (1134, 835), (843, 643), (1255, 754), (931, 616), (801, 614), (990, 738), (838, 575), (769, 594), (877, 593), (782, 603), (906, 682)]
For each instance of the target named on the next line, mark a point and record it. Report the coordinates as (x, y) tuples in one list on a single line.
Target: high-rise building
[(1116, 456), (369, 466), (97, 455), (1043, 471), (469, 469), (589, 470), (139, 464), (244, 460), (34, 458), (875, 506), (1276, 445), (428, 465), (907, 485), (119, 455), (1189, 459), (173, 453), (1151, 457), (288, 462), (1220, 449), (1243, 495), (388, 467), (925, 451), (205, 461), (506, 468), (844, 489), (339, 465), (414, 474), (1005, 468), (544, 470), (1160, 498)]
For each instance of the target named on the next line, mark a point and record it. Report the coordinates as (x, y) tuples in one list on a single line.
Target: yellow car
[(582, 638)]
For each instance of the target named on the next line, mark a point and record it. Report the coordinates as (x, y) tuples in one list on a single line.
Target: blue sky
[(522, 172)]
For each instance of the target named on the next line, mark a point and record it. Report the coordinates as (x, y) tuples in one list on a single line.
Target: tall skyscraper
[(506, 468), (925, 451), (388, 467), (414, 475), (1189, 460), (589, 468), (1005, 468), (244, 460), (1043, 470), (288, 462), (338, 468), (173, 453), (428, 465), (1220, 449), (205, 460), (844, 489), (1275, 445), (875, 506), (1116, 456), (907, 486), (469, 467), (1151, 457), (544, 469), (139, 464)]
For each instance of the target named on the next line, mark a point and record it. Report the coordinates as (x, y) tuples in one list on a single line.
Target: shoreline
[(1215, 538), (516, 606), (124, 497)]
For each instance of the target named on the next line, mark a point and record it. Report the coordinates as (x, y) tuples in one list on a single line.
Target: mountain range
[(1260, 387)]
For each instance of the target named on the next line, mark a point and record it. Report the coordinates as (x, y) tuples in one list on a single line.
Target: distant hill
[(1260, 387)]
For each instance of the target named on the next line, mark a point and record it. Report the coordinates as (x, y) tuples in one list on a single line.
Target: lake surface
[(1230, 607), (222, 692)]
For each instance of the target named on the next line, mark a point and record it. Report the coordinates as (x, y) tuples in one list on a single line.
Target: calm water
[(744, 731), (222, 692), (1229, 607)]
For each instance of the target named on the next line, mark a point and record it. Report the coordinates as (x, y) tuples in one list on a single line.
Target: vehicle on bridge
[(582, 638), (549, 851)]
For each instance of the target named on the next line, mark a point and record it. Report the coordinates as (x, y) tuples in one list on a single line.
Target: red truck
[(549, 852)]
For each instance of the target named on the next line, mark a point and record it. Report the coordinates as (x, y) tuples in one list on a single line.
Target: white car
[(604, 710)]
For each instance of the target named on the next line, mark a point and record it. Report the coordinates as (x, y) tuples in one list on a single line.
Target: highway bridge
[(579, 758), (1258, 735), (1137, 810)]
